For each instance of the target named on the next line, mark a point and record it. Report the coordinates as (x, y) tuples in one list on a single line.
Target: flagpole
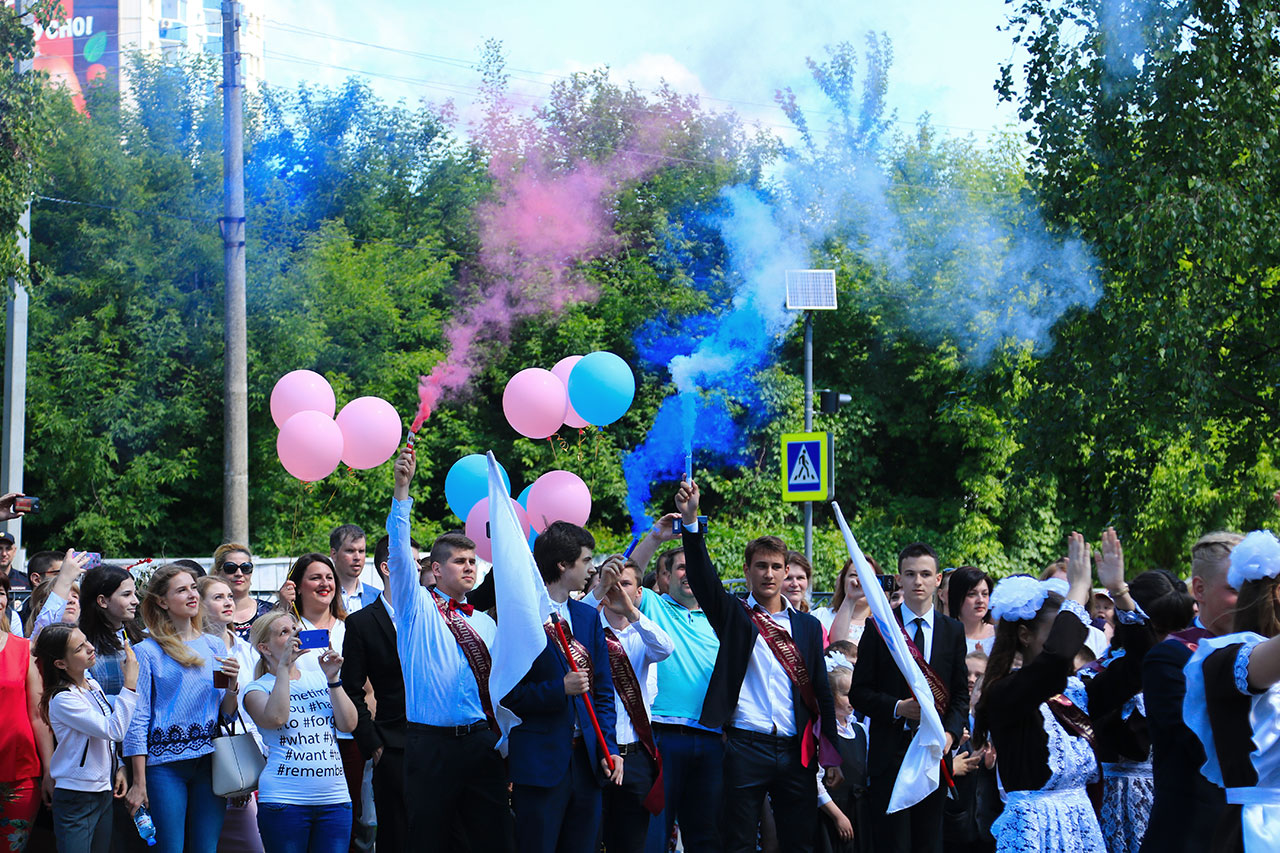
[(591, 710)]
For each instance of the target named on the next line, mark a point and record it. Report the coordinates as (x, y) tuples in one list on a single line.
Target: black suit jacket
[(1187, 805), (369, 652), (878, 685), (738, 635)]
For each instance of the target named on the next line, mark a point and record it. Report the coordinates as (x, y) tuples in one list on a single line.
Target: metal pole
[(808, 424), (15, 360), (235, 477)]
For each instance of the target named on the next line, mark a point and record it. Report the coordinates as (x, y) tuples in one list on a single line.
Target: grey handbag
[(237, 761)]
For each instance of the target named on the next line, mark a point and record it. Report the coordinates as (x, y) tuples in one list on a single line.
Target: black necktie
[(918, 639)]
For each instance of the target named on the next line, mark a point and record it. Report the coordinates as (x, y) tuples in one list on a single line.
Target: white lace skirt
[(1127, 794), (1060, 821)]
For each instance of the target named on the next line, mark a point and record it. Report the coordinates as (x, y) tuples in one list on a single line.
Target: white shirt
[(645, 644), (764, 703), (909, 623)]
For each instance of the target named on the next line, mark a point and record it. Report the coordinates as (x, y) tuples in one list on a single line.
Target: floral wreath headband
[(1256, 557), (1020, 597)]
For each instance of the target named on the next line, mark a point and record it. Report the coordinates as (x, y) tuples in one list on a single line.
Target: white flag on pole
[(522, 602), (921, 768)]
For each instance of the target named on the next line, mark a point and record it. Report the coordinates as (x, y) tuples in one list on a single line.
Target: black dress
[(850, 797)]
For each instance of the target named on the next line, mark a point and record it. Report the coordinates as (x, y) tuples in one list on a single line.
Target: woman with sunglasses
[(232, 563)]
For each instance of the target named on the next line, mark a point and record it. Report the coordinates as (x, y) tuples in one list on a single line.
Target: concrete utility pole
[(808, 424), (15, 358), (235, 435)]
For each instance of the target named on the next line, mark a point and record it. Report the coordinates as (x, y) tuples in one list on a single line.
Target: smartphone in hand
[(317, 639)]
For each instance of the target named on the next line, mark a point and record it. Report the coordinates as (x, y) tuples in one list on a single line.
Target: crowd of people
[(661, 711)]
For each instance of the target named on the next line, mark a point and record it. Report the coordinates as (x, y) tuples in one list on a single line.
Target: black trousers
[(626, 821), (755, 765), (390, 802), (456, 788), (914, 830)]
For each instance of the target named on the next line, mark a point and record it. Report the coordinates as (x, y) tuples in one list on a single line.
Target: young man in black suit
[(369, 653), (767, 689), (880, 692), (1187, 806)]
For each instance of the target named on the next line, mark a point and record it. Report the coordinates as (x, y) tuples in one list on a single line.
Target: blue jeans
[(304, 829), (692, 784), (187, 814), (82, 821)]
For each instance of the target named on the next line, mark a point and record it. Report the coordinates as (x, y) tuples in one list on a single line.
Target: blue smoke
[(720, 442)]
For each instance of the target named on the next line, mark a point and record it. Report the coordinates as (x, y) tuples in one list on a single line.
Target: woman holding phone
[(170, 739), (317, 605), (303, 802)]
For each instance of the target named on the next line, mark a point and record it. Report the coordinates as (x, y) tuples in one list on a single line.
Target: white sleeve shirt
[(645, 644), (765, 703)]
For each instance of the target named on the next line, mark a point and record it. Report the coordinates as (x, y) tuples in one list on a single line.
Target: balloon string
[(553, 448), (564, 445), (581, 433)]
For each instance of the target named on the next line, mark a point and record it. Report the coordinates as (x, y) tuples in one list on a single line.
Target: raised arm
[(662, 531), (714, 599), (402, 585)]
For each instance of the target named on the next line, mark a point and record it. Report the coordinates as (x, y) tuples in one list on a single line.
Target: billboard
[(81, 48)]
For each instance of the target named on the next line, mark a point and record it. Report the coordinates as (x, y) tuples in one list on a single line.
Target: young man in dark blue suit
[(556, 767), (767, 689)]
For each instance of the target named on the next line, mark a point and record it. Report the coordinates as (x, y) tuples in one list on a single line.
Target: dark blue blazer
[(541, 746), (1187, 806)]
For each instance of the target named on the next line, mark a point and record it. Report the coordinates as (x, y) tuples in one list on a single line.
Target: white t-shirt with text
[(304, 767)]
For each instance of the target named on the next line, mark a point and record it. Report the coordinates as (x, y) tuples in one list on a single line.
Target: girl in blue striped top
[(170, 739)]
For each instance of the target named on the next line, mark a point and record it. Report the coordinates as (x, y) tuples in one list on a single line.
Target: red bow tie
[(467, 609)]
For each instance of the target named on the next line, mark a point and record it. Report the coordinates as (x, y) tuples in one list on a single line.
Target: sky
[(946, 53)]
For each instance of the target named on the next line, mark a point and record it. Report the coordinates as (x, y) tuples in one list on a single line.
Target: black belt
[(625, 749), (451, 731), (761, 737)]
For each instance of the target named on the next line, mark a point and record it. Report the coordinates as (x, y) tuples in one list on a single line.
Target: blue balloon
[(467, 483), (523, 500), (601, 388)]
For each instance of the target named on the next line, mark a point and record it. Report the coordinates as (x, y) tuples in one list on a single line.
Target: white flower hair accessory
[(1256, 557), (1058, 585), (1017, 598), (835, 660)]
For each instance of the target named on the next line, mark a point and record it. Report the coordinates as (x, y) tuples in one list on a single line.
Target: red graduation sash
[(787, 653), (474, 651), (627, 685), (941, 695), (581, 656)]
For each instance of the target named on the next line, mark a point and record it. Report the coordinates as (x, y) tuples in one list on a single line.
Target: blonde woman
[(303, 802), (170, 739), (240, 829)]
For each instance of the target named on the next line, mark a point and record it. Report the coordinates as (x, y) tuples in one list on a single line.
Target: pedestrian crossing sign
[(806, 467)]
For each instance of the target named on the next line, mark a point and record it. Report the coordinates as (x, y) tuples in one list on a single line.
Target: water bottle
[(146, 827)]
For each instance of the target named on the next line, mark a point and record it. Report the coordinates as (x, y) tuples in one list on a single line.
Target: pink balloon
[(309, 446), (561, 370), (558, 496), (535, 402), (301, 391), (370, 432), (478, 529)]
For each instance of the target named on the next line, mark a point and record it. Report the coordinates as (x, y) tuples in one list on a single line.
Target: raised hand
[(687, 498), (1079, 568), (1111, 561), (608, 581), (664, 529), (406, 465)]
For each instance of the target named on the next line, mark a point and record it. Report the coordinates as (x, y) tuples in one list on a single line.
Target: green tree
[(1153, 130), (27, 130)]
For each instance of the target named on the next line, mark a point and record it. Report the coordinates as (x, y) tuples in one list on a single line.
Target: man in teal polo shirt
[(692, 755)]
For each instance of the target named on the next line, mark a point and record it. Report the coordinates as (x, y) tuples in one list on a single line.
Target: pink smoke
[(545, 218)]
